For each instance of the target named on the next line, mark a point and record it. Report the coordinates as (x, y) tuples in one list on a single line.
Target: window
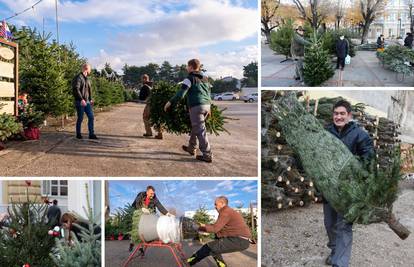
[(54, 188)]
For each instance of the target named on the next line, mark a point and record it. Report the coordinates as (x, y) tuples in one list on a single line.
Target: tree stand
[(175, 249)]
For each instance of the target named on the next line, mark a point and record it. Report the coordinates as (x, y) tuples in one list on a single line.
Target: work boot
[(192, 260), (92, 136), (205, 158), (192, 152), (78, 136), (328, 260), (159, 136), (220, 263)]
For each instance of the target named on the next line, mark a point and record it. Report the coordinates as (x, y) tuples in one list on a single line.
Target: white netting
[(168, 229)]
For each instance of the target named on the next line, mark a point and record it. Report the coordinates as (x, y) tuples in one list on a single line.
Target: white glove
[(145, 211)]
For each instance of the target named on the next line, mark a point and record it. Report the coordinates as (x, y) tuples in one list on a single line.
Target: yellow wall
[(18, 191)]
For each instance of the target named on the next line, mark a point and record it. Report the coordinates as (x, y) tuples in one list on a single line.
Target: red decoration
[(26, 265), (120, 236), (28, 182)]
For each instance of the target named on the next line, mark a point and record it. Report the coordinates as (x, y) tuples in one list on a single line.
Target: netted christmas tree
[(25, 239), (317, 67), (83, 252), (177, 119), (363, 192)]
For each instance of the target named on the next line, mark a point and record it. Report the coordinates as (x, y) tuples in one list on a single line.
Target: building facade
[(393, 21)]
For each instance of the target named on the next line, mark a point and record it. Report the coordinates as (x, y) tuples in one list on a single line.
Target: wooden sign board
[(9, 77)]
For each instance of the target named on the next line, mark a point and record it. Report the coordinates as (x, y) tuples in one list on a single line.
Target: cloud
[(225, 185), (250, 189)]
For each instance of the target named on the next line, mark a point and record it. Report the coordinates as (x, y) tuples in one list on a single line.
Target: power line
[(24, 11)]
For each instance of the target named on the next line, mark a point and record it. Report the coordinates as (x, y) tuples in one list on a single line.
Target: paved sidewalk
[(365, 70)]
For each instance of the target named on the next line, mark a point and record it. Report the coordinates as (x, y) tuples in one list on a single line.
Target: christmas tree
[(317, 67), (83, 252), (177, 119), (362, 192), (25, 239)]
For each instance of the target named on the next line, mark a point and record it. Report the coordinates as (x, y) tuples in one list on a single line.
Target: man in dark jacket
[(53, 214), (82, 92), (342, 50), (145, 95), (231, 231), (408, 41), (144, 203), (360, 144), (380, 42), (197, 90)]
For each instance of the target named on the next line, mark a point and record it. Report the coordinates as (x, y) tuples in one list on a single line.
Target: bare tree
[(314, 15), (369, 10), (269, 8), (339, 13)]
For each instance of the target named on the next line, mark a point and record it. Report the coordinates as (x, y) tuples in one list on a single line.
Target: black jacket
[(342, 48), (81, 88), (154, 203), (145, 92), (408, 41), (53, 215), (355, 138)]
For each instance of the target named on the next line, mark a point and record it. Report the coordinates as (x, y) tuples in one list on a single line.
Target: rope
[(24, 11)]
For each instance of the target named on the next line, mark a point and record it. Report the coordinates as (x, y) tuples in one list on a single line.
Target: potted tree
[(31, 120)]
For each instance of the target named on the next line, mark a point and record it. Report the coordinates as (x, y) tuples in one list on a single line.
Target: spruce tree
[(317, 67), (25, 238)]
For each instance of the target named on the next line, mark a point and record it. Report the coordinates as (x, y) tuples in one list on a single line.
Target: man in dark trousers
[(360, 144), (82, 92), (145, 203), (145, 95), (53, 214), (342, 50), (231, 231), (408, 41)]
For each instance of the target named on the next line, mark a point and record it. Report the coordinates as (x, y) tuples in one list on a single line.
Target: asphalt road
[(116, 252), (122, 151)]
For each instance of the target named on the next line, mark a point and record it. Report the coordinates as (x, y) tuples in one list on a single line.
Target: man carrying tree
[(232, 234), (297, 49), (145, 95), (360, 144), (145, 203), (197, 89), (82, 92)]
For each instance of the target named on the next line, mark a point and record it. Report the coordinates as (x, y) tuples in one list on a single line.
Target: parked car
[(250, 97), (226, 96)]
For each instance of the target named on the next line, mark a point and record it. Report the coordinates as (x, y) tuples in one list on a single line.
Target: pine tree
[(362, 192), (280, 40), (25, 240), (317, 67), (84, 252)]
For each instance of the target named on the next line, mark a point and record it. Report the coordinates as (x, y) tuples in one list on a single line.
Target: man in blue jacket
[(360, 144)]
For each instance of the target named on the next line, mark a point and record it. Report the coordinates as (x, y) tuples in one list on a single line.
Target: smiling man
[(360, 144)]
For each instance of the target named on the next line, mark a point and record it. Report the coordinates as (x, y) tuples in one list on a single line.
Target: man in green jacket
[(197, 89), (297, 49)]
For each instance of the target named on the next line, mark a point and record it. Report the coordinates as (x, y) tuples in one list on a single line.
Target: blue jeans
[(89, 113), (339, 235)]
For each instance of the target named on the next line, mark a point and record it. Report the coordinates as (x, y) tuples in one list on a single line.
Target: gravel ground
[(297, 237), (122, 151), (116, 252)]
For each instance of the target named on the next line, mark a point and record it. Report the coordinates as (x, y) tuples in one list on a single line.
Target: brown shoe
[(205, 158), (192, 152)]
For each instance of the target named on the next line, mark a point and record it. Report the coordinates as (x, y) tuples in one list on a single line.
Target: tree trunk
[(397, 227), (365, 31)]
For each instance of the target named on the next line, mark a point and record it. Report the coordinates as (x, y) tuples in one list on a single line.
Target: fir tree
[(317, 67), (362, 192), (280, 40)]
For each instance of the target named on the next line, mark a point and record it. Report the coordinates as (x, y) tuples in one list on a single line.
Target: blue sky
[(185, 195), (222, 33)]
